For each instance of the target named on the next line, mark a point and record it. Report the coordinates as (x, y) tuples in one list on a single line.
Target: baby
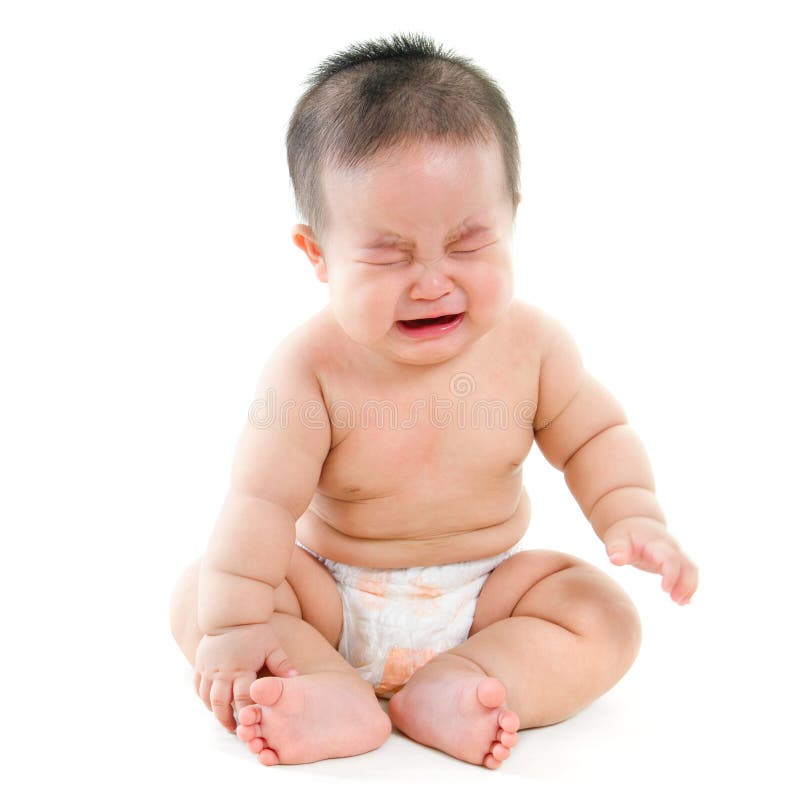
[(369, 543)]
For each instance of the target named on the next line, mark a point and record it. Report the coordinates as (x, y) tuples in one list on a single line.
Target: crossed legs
[(551, 633)]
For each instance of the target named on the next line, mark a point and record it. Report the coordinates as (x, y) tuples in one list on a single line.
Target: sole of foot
[(461, 713), (310, 718)]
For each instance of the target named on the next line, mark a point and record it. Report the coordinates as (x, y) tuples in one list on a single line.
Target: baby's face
[(423, 232)]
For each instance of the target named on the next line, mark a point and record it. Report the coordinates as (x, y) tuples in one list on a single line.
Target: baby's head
[(405, 164)]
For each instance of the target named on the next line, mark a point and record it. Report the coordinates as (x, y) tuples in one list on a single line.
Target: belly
[(383, 533)]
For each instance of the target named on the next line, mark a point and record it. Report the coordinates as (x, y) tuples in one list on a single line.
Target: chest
[(470, 426)]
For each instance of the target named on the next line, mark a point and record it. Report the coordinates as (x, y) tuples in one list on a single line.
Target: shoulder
[(311, 351), (310, 340), (536, 329), (293, 356)]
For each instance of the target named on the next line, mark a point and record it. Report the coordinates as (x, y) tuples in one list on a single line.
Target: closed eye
[(467, 252), (389, 264), (406, 260)]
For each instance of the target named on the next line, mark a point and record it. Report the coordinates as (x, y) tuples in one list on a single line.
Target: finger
[(656, 556), (205, 691), (695, 579), (197, 678), (618, 547), (677, 591), (278, 663), (670, 568), (689, 583), (221, 702), (681, 587), (618, 557), (241, 691)]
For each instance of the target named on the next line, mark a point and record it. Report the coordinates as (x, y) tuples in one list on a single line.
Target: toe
[(256, 745), (266, 691), (508, 739), (491, 692), (491, 762), (268, 757), (499, 752), (509, 721), (249, 715), (247, 732)]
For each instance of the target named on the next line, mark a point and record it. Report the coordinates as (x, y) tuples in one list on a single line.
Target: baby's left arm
[(582, 430)]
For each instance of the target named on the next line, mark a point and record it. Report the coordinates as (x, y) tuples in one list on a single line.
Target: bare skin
[(550, 632), (456, 708), (328, 711), (323, 715)]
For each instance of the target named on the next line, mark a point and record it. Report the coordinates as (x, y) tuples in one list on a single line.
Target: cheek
[(364, 306), (491, 286)]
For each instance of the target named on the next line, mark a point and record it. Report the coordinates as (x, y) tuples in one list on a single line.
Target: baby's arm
[(275, 471), (582, 430)]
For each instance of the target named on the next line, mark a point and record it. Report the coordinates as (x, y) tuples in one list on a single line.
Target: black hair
[(379, 94)]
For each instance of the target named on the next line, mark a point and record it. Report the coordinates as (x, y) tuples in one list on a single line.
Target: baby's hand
[(226, 664), (645, 543)]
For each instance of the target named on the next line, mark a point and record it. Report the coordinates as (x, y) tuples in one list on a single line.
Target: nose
[(432, 283)]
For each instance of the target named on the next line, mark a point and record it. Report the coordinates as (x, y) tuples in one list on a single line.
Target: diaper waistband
[(444, 576)]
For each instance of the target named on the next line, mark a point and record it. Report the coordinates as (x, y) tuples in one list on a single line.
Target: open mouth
[(430, 328), (421, 323)]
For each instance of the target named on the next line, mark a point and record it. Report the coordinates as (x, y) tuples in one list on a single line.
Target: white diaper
[(396, 620)]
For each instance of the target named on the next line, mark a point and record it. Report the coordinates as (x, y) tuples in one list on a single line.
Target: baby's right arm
[(275, 471)]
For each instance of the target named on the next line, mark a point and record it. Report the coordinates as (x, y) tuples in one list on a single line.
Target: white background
[(148, 271)]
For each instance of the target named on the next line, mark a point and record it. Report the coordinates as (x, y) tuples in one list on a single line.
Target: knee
[(605, 615), (618, 631), (183, 600)]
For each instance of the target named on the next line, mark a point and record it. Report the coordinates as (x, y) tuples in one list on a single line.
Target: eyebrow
[(387, 239)]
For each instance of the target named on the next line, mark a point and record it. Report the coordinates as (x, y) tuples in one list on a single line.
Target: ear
[(304, 238)]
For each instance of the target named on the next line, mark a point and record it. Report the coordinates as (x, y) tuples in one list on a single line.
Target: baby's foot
[(456, 708), (312, 717)]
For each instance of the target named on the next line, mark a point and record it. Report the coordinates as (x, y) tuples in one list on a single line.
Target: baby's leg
[(328, 711)]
